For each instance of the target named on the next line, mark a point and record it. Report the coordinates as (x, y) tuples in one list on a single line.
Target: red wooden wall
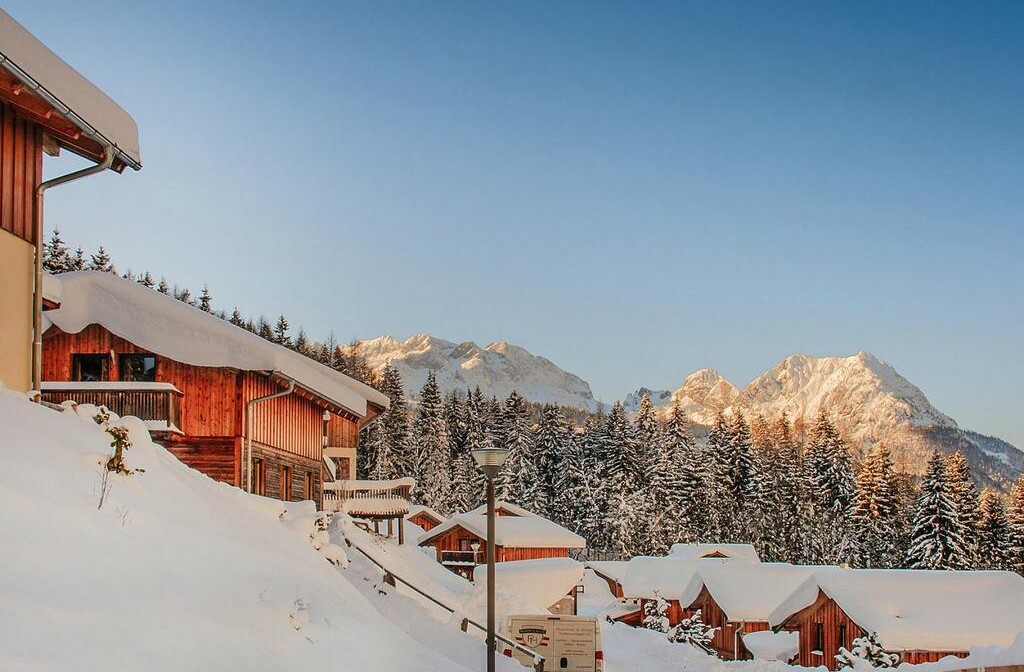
[(21, 170)]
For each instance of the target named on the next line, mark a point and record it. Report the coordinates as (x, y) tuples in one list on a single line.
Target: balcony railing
[(369, 499), (461, 558), (158, 404)]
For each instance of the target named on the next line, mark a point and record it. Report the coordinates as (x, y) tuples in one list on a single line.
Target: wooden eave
[(38, 111)]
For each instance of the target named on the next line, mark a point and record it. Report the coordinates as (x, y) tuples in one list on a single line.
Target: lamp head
[(490, 460)]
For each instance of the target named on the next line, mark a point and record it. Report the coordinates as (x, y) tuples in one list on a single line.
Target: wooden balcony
[(461, 558), (158, 404), (369, 499)]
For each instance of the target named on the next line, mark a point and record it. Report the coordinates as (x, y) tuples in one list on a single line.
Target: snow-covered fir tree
[(146, 280), (876, 524), (829, 470), (1015, 520), (993, 532), (656, 614), (964, 496), (517, 481), (688, 521), (693, 631), (580, 499), (206, 299), (101, 261), (866, 649), (394, 422), (281, 334), (554, 436), (57, 255), (163, 287), (937, 534), (433, 478)]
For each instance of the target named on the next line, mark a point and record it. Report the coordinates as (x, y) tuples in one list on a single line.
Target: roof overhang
[(42, 86)]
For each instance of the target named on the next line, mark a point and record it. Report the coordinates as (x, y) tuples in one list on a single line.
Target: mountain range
[(865, 397)]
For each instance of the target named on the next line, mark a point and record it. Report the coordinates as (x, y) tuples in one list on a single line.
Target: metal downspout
[(37, 297), (248, 428)]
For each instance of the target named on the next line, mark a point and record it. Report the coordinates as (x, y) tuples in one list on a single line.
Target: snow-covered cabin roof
[(734, 551), (751, 592), (542, 582), (418, 509), (75, 97), (920, 610), (531, 531), (166, 326), (613, 569), (669, 577)]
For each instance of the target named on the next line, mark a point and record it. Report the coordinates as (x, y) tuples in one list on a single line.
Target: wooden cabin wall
[(451, 541), (826, 613), (21, 170), (424, 522), (508, 553), (293, 424), (342, 432)]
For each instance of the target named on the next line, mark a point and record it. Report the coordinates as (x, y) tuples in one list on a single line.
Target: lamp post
[(490, 461)]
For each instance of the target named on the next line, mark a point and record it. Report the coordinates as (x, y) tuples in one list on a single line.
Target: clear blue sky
[(633, 191)]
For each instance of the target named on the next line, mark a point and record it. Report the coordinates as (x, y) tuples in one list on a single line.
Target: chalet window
[(138, 367), (259, 477), (344, 469), (842, 635), (819, 637), (310, 485), (286, 484), (89, 368)]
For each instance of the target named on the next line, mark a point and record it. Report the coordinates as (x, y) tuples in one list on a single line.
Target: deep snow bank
[(174, 572)]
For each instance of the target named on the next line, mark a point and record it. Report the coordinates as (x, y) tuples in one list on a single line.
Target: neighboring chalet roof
[(530, 531), (734, 551), (166, 326), (920, 610), (669, 577), (73, 96), (612, 569), (507, 506), (542, 582), (752, 592), (420, 509)]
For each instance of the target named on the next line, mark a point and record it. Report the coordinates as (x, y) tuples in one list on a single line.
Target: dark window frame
[(310, 485), (123, 368), (259, 476), (286, 484), (79, 358), (819, 637)]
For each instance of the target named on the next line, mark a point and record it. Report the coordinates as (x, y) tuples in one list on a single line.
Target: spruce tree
[(281, 335), (146, 280), (518, 479), (964, 497), (993, 532), (875, 512), (688, 520), (395, 425), (206, 300), (554, 437), (78, 261), (1015, 519), (56, 255), (829, 470), (433, 477), (937, 534), (163, 287), (101, 261)]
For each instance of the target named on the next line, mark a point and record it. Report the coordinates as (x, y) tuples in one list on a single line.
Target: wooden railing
[(466, 558), (154, 402), (369, 499)]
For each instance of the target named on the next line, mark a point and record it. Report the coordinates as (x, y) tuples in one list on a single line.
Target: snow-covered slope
[(174, 572), (498, 369)]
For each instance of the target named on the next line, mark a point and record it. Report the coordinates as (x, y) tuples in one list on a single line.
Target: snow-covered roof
[(417, 509), (74, 96), (613, 569), (352, 484), (734, 551), (920, 609), (513, 531), (669, 577), (78, 385), (752, 592), (51, 283), (541, 582), (162, 324)]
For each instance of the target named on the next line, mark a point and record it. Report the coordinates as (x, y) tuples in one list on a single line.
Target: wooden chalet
[(611, 572), (921, 615), (45, 106), (424, 517), (460, 542), (206, 388)]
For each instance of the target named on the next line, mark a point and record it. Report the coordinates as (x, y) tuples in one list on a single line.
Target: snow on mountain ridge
[(498, 368)]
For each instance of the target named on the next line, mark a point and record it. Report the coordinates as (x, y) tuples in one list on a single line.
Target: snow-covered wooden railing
[(370, 499), (149, 401)]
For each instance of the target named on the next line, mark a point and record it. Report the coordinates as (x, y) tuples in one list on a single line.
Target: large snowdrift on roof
[(174, 572), (734, 551), (751, 592), (670, 578), (916, 609), (537, 583), (171, 328)]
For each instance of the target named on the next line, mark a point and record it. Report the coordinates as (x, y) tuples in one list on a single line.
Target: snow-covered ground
[(178, 572)]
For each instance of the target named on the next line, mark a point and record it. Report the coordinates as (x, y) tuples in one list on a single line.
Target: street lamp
[(490, 461)]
